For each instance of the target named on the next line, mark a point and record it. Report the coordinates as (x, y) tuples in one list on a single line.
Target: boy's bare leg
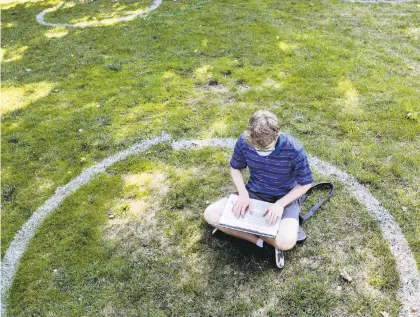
[(213, 214), (286, 235), (239, 234)]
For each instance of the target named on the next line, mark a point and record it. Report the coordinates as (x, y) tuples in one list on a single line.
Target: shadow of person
[(240, 254)]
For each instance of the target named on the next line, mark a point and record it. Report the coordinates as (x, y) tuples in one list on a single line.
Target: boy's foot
[(301, 235), (279, 255)]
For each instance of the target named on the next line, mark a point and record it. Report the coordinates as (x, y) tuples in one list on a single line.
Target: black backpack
[(319, 186)]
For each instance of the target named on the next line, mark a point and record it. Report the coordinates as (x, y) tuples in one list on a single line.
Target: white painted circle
[(409, 289), (40, 17)]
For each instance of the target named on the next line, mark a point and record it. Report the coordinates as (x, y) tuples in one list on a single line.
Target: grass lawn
[(344, 78)]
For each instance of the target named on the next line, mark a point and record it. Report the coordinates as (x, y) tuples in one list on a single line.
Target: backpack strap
[(327, 186)]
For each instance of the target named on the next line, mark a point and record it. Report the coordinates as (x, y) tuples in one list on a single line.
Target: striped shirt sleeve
[(303, 174), (238, 160)]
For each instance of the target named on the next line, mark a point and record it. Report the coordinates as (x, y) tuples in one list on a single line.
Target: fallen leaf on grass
[(345, 276), (412, 116)]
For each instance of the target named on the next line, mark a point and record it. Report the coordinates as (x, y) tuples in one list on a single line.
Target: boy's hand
[(241, 206), (273, 213)]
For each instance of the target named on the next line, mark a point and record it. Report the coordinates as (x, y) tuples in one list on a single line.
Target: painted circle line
[(409, 288), (40, 17)]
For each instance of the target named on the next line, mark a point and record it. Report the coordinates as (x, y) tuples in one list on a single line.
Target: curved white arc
[(40, 17), (14, 253), (409, 291), (214, 142)]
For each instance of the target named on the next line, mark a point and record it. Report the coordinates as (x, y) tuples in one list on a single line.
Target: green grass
[(342, 77), (157, 256)]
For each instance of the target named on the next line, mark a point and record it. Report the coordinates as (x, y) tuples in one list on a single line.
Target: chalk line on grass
[(40, 17), (14, 253), (409, 289), (409, 292)]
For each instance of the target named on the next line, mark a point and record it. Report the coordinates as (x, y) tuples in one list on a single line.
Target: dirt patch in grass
[(242, 87), (270, 83), (133, 218), (215, 91)]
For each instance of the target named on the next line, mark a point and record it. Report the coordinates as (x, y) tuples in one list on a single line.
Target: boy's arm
[(297, 192), (238, 180), (276, 210), (237, 164), (303, 177), (243, 202)]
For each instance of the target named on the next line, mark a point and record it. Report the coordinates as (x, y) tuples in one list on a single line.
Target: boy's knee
[(211, 216), (284, 243), (213, 212)]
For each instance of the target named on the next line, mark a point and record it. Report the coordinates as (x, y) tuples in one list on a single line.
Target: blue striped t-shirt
[(275, 175)]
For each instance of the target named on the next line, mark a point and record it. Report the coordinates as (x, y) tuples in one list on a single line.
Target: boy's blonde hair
[(263, 129)]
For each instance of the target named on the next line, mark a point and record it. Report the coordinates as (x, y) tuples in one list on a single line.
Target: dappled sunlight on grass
[(56, 32), (204, 42), (350, 101), (413, 33), (19, 97), (8, 25), (138, 207), (11, 4), (92, 105), (14, 54), (205, 69), (286, 47), (71, 4), (218, 128), (169, 74), (203, 72), (155, 180), (2, 52), (44, 185)]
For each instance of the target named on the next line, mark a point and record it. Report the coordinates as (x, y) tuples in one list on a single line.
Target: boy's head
[(263, 129)]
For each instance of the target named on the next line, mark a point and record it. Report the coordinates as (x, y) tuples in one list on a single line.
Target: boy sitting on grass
[(279, 173)]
